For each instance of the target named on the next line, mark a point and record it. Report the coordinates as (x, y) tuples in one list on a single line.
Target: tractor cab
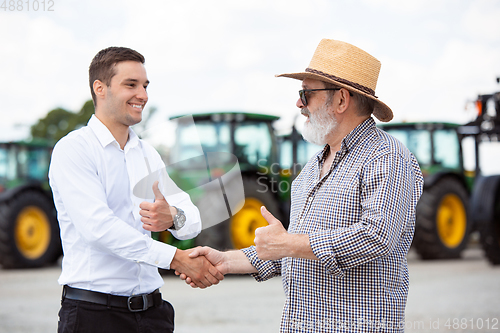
[(250, 137), (437, 146), (22, 163)]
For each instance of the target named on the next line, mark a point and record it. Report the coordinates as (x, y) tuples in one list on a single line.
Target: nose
[(299, 104), (142, 94)]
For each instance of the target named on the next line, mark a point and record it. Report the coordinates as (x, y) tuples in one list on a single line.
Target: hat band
[(344, 81)]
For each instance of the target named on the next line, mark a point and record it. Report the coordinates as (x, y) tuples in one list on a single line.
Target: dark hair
[(365, 105), (102, 67)]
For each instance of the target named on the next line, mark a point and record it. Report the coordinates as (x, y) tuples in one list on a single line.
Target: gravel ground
[(445, 296)]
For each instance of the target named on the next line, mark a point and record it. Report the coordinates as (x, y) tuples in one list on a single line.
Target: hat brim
[(381, 111)]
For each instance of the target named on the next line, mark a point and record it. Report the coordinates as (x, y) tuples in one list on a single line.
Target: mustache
[(305, 112)]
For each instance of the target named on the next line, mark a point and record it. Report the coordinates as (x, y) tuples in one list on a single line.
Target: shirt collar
[(351, 139), (105, 137)]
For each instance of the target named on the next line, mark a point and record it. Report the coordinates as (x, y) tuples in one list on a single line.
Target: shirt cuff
[(322, 247), (160, 254), (267, 269)]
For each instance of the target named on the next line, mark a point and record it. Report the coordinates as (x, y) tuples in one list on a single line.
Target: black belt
[(134, 303)]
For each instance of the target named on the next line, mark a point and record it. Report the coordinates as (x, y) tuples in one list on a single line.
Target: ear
[(345, 100), (99, 88)]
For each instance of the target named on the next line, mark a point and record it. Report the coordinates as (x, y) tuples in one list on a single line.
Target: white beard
[(319, 126)]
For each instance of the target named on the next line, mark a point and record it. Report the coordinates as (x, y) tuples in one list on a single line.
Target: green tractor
[(268, 163), (455, 201), (29, 232), (442, 228)]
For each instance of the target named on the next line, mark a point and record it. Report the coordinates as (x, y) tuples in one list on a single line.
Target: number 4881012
[(27, 5), (478, 323)]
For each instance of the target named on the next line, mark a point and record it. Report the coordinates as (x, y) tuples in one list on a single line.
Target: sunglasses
[(303, 93)]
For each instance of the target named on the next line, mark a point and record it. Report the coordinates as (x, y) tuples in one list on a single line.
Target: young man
[(343, 258), (110, 264)]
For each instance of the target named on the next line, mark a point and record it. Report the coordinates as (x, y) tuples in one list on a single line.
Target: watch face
[(182, 220), (179, 219)]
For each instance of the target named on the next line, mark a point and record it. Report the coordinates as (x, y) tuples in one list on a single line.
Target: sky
[(223, 55)]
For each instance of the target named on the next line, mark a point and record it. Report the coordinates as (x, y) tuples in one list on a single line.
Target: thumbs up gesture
[(272, 241), (159, 215)]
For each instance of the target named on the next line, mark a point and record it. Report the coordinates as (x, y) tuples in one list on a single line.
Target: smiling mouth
[(137, 106)]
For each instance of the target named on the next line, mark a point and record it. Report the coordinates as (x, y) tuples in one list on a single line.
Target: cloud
[(481, 21), (38, 57), (221, 54)]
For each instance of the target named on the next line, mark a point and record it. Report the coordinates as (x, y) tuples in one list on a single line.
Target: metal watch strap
[(180, 215)]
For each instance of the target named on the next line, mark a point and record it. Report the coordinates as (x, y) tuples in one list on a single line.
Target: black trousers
[(85, 317)]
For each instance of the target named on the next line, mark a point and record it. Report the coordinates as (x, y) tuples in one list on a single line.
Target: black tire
[(485, 212), (29, 232), (442, 228), (239, 231)]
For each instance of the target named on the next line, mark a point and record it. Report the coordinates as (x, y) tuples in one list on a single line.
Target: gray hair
[(364, 105)]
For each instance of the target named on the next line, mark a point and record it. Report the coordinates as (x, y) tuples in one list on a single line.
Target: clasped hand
[(202, 273), (271, 243)]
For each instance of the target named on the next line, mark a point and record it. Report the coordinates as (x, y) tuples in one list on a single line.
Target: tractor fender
[(431, 180), (32, 186)]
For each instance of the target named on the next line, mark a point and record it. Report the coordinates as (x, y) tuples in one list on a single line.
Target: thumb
[(156, 191), (199, 251), (268, 216)]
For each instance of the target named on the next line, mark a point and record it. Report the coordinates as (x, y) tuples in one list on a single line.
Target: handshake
[(203, 266)]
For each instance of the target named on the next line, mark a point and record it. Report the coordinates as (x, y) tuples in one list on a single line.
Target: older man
[(343, 258)]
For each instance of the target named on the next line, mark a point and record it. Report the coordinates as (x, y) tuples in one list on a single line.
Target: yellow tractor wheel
[(245, 222), (451, 220), (32, 232), (442, 228), (238, 231), (29, 232)]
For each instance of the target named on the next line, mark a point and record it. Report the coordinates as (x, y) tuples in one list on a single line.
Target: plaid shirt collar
[(348, 143), (350, 140)]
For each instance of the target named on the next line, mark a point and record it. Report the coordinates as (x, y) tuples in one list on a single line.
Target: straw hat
[(348, 67)]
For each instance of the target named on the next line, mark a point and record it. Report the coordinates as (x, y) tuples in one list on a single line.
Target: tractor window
[(305, 150), (3, 163), (8, 163), (417, 141), (213, 137), (37, 163), (446, 148), (252, 143)]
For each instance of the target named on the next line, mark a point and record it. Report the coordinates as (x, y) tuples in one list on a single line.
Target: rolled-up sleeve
[(267, 269)]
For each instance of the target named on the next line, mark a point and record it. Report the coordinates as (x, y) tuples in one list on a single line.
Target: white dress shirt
[(105, 246)]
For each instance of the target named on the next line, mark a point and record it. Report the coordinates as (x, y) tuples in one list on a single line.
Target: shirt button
[(310, 199), (156, 262)]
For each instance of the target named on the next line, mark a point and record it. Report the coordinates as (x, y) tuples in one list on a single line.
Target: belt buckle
[(144, 303)]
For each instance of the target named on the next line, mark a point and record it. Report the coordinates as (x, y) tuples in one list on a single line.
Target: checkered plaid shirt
[(360, 218)]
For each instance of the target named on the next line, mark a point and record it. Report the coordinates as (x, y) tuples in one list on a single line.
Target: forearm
[(286, 245), (298, 246), (238, 263)]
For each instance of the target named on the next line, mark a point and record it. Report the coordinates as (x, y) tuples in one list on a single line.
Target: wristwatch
[(179, 219)]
